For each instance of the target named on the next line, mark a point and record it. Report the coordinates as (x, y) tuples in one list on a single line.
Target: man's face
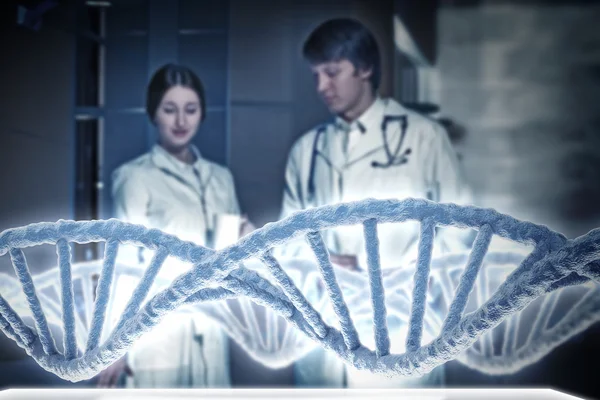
[(340, 84)]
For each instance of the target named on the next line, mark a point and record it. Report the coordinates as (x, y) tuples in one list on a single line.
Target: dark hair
[(344, 38), (165, 78)]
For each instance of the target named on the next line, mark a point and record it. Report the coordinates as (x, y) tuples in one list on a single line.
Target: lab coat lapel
[(335, 150), (371, 144), (330, 164), (203, 167), (179, 170)]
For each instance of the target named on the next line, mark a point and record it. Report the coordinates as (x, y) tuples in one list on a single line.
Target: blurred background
[(516, 82)]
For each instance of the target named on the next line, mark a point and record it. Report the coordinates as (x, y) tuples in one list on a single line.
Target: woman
[(174, 189)]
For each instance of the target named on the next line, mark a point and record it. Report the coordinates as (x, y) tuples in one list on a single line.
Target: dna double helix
[(554, 265)]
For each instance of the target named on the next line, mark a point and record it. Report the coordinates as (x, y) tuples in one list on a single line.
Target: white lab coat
[(159, 191), (432, 171)]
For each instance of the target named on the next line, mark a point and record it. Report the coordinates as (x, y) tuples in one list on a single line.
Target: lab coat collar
[(392, 108), (368, 120), (163, 159), (372, 141)]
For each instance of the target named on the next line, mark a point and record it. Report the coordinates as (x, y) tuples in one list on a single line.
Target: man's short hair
[(344, 38)]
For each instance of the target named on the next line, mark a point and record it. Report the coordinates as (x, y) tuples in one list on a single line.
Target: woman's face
[(178, 117)]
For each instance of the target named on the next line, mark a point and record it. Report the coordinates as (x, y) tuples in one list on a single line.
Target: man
[(374, 148)]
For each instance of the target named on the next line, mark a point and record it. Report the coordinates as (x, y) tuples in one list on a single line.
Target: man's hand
[(110, 376), (345, 261)]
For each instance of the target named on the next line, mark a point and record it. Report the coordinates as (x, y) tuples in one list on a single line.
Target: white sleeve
[(447, 183), (444, 173), (130, 198), (292, 202), (234, 205), (292, 192)]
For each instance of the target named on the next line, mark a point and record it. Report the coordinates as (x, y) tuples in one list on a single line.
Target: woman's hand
[(246, 226), (110, 376)]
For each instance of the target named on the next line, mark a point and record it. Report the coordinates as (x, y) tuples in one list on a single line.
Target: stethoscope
[(394, 159)]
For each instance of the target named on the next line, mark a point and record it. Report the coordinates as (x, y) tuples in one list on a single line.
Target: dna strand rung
[(67, 298), (18, 259), (382, 336), (413, 340), (480, 247), (296, 297), (554, 264), (335, 293), (143, 288)]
